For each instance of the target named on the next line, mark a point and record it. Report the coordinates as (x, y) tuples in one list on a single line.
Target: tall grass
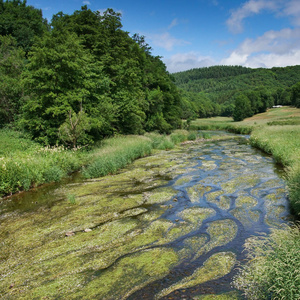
[(25, 164), (272, 271), (116, 153)]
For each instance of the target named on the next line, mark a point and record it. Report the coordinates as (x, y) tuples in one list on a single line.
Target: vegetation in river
[(282, 141), (225, 296), (272, 270), (114, 234), (216, 266), (99, 237)]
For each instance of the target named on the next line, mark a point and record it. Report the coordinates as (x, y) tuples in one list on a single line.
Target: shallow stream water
[(170, 226)]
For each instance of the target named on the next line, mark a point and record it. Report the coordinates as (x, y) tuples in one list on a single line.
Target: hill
[(221, 84)]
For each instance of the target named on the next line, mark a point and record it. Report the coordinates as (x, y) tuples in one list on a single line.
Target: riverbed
[(170, 226)]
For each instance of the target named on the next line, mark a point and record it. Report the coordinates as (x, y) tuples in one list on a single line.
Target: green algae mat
[(170, 226)]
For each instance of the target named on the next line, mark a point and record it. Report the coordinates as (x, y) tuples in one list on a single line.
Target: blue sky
[(199, 33)]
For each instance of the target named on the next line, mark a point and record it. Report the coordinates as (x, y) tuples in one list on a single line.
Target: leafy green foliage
[(11, 87), (73, 131), (60, 78), (242, 108), (22, 22), (87, 62), (295, 97), (221, 84)]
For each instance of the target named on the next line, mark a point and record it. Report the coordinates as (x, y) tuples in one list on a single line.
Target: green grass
[(221, 123), (283, 142), (115, 153), (272, 271), (25, 164)]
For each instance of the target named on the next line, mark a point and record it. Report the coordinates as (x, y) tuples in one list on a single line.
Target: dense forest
[(81, 77), (238, 91)]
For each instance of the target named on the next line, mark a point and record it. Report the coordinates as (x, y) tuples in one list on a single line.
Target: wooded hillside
[(81, 77), (223, 84)]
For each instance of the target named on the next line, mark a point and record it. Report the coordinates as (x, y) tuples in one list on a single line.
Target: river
[(170, 226)]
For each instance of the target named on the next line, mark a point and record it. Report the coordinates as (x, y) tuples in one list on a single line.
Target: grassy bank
[(272, 270), (25, 164), (221, 123)]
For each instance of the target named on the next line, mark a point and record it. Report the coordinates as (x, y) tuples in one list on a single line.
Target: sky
[(201, 33)]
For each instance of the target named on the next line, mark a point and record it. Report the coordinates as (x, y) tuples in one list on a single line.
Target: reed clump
[(272, 270)]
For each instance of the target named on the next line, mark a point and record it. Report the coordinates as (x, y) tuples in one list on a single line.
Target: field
[(274, 116)]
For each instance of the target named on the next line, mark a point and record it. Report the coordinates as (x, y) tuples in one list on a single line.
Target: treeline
[(81, 77), (239, 91)]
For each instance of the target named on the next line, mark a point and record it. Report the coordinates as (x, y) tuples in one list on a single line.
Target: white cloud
[(249, 8), (86, 2), (166, 41), (274, 48), (185, 61), (174, 23), (292, 9)]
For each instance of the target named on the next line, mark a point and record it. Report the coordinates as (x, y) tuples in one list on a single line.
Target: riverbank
[(25, 164)]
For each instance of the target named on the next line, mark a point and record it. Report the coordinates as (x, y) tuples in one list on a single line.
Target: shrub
[(179, 136), (192, 136)]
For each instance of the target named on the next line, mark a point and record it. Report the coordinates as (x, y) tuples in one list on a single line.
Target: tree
[(295, 95), (73, 130), (11, 87), (22, 22), (62, 76), (242, 108)]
